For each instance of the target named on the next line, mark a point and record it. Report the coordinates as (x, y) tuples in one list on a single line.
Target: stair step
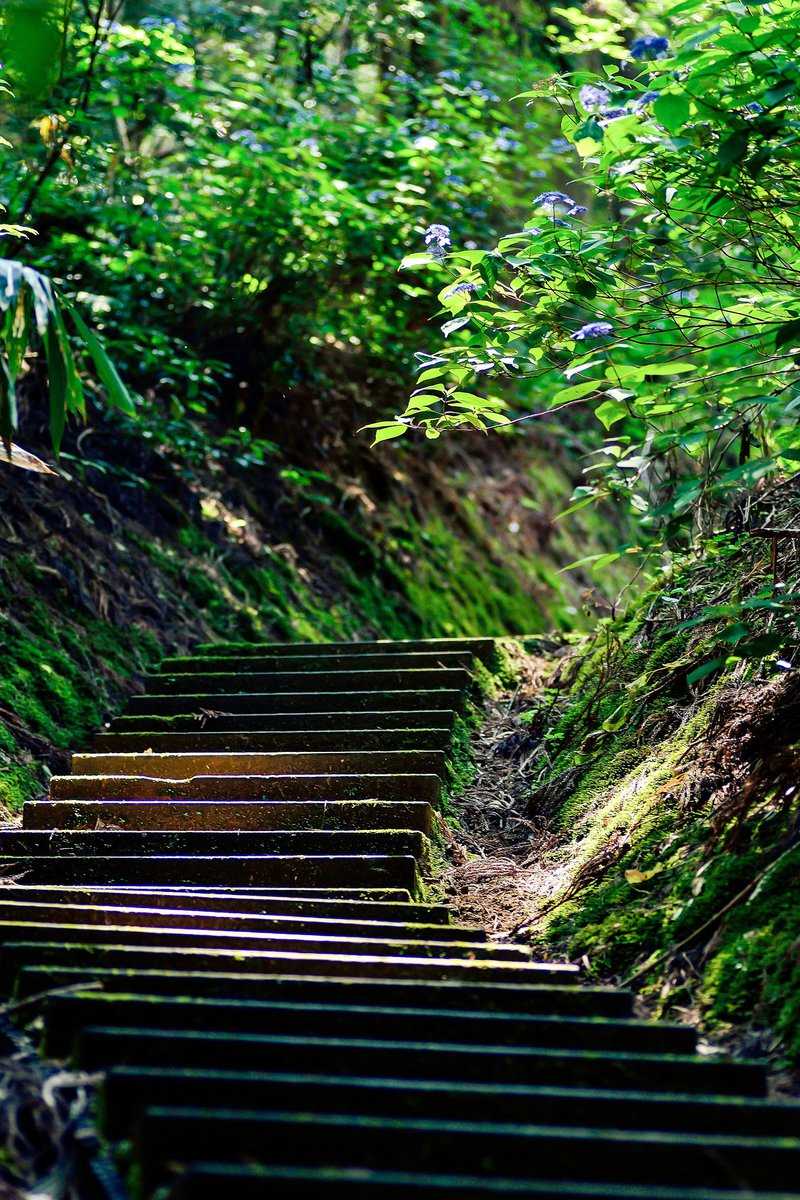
[(168, 1135), (65, 1014), (274, 742), (133, 913), (296, 722), (208, 1180), (102, 1046), (228, 815), (129, 1090), (343, 904), (227, 682), (482, 648), (73, 932), (212, 843), (548, 996), (378, 660), (173, 957), (256, 870), (409, 699), (186, 766), (328, 787)]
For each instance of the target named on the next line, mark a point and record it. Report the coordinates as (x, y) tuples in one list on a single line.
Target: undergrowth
[(666, 776)]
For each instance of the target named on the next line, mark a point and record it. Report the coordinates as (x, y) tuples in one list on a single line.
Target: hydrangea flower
[(477, 87), (247, 137), (502, 142), (554, 200), (437, 239), (592, 96), (594, 329), (463, 288), (650, 45), (642, 101), (577, 210), (754, 107)]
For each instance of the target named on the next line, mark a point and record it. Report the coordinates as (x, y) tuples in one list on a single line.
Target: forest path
[(232, 887)]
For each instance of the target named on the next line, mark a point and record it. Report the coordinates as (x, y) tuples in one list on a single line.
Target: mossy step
[(340, 904), (410, 699), (546, 995), (103, 1046), (73, 932), (327, 787), (208, 842), (293, 722), (169, 1135), (482, 648), (67, 1013), (208, 1181), (377, 660), (174, 957), (227, 814), (212, 684), (186, 766), (394, 894), (139, 916), (254, 870), (126, 1091), (280, 740)]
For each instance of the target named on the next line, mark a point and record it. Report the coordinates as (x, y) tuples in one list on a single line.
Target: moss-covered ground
[(667, 776)]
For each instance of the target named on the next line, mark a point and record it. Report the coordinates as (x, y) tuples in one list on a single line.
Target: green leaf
[(457, 323), (57, 376), (609, 412), (788, 333), (73, 396), (116, 392), (415, 261), (672, 110), (669, 368), (389, 431), (8, 403), (707, 668), (733, 148), (575, 392)]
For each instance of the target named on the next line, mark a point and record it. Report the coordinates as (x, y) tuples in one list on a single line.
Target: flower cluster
[(504, 140), (248, 137), (462, 289), (437, 239), (561, 201), (592, 97), (594, 329), (597, 100), (650, 45)]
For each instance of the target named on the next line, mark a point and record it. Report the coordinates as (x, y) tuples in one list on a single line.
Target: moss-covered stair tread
[(226, 906)]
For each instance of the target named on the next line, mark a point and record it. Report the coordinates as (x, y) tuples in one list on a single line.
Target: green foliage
[(28, 304), (232, 189), (671, 306)]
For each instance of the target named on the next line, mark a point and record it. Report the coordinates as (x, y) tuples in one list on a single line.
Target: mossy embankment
[(134, 552), (664, 754)]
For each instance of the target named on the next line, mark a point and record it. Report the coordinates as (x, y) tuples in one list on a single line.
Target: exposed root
[(42, 1115)]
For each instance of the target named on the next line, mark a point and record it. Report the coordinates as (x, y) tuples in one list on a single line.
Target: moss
[(640, 836)]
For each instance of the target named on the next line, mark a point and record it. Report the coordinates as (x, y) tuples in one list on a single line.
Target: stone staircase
[(225, 906)]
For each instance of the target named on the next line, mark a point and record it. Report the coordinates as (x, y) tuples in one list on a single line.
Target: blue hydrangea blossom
[(437, 239), (463, 288), (592, 97), (594, 329), (650, 45)]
